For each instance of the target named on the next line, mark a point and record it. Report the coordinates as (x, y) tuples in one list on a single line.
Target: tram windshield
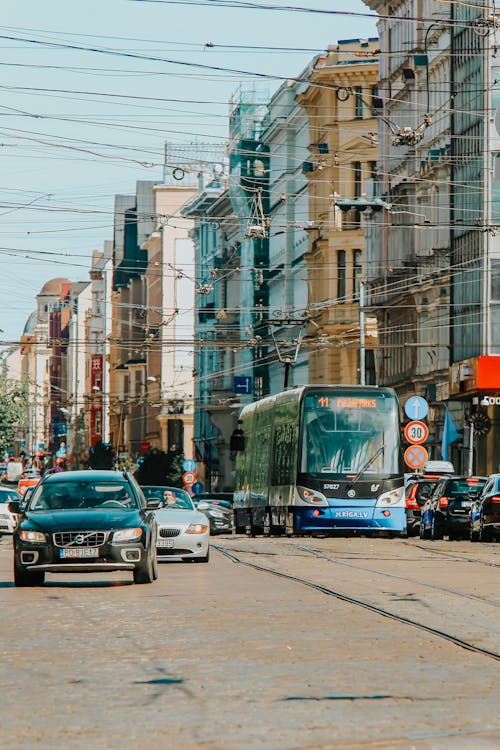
[(350, 434)]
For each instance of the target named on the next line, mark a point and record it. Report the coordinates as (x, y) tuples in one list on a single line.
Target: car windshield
[(170, 497), (71, 495)]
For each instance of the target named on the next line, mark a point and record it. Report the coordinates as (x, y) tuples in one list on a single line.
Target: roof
[(54, 286), (30, 325)]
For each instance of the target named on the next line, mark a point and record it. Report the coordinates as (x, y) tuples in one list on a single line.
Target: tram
[(320, 459)]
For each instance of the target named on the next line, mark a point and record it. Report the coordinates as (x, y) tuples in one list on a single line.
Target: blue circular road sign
[(189, 464), (416, 408)]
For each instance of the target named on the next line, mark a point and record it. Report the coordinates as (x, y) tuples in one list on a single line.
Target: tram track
[(451, 555), (322, 556), (466, 645)]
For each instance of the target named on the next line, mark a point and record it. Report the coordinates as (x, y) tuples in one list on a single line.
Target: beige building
[(151, 350), (168, 350), (340, 170)]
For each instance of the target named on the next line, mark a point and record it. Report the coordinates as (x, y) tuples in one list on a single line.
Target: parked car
[(84, 521), (485, 512), (26, 482), (219, 514), (183, 531), (417, 492), (8, 520), (218, 508), (447, 510)]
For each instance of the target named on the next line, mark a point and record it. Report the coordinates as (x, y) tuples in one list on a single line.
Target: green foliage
[(13, 405), (160, 468)]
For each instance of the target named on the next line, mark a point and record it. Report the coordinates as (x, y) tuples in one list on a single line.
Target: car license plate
[(165, 543), (466, 504), (79, 552)]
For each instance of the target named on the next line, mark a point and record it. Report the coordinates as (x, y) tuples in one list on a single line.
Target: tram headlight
[(311, 497), (392, 497)]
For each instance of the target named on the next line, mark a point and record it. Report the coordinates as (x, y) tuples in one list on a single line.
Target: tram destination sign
[(416, 432)]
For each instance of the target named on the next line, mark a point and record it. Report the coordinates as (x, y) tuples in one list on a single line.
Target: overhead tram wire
[(247, 5)]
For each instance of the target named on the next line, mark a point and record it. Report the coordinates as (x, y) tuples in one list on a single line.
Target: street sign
[(189, 465), (189, 477), (416, 456), (416, 407), (242, 384), (416, 432), (189, 489)]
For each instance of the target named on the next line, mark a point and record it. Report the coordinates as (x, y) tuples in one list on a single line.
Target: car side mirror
[(154, 504), (14, 506), (203, 506)]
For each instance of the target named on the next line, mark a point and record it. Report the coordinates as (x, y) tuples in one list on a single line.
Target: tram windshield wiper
[(368, 463)]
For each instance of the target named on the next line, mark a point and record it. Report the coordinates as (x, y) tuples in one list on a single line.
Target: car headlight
[(216, 513), (127, 535), (32, 536), (196, 528)]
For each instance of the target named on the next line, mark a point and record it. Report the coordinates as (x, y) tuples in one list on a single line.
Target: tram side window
[(284, 454), (260, 466)]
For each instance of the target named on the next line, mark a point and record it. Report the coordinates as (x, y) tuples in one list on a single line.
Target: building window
[(259, 387), (358, 102), (97, 423), (370, 372), (356, 167), (495, 280), (341, 276), (357, 270)]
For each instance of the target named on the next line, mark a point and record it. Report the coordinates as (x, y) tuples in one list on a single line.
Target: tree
[(13, 405), (160, 468), (101, 456)]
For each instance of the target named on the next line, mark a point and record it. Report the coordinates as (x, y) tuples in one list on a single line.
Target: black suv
[(447, 510), (83, 521)]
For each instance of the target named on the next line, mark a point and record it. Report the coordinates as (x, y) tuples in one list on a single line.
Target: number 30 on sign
[(416, 432)]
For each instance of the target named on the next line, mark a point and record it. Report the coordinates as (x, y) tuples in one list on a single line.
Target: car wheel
[(155, 567), (473, 535), (436, 532), (22, 578), (204, 559), (484, 534), (144, 573)]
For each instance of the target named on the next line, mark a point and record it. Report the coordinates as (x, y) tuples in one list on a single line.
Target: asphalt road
[(285, 643)]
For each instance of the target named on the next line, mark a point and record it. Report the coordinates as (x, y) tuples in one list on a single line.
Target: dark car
[(447, 511), (84, 521), (418, 490), (485, 512), (218, 508)]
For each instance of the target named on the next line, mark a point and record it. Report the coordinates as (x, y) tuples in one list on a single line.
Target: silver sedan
[(8, 520), (183, 532)]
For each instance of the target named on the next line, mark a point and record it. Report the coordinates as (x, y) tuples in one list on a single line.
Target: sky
[(86, 109)]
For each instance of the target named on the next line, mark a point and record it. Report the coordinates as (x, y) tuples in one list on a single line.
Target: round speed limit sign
[(416, 432)]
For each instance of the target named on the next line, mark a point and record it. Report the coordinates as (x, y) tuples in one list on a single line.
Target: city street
[(369, 643)]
